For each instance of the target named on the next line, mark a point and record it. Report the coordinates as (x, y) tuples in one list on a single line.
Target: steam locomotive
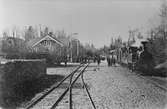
[(137, 58)]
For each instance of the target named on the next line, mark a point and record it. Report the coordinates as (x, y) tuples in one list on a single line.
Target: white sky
[(95, 21)]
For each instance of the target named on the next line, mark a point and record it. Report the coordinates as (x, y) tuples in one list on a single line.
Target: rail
[(31, 104), (87, 91), (78, 73), (67, 89)]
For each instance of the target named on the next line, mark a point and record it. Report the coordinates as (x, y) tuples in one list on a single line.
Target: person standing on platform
[(108, 60), (98, 60)]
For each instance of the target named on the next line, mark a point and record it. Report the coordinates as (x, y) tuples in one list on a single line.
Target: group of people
[(97, 59), (111, 59)]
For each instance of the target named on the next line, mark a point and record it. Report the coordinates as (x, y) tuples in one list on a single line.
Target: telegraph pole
[(71, 50), (72, 47), (77, 47)]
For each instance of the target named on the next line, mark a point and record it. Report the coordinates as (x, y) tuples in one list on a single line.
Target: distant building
[(46, 44)]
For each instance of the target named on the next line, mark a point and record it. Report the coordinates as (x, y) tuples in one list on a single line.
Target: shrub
[(18, 79)]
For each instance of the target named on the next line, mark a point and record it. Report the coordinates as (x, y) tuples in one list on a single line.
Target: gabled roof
[(36, 41)]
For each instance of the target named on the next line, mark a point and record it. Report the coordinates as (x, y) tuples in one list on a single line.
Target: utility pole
[(72, 47), (40, 30), (71, 50), (77, 41)]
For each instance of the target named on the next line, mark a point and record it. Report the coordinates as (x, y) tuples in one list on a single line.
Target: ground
[(110, 88), (118, 88)]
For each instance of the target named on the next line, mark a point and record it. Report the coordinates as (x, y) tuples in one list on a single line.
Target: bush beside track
[(19, 80), (144, 70)]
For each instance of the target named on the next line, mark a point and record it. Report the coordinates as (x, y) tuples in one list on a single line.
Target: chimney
[(51, 33)]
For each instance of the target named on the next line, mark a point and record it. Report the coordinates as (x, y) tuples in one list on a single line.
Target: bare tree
[(158, 42), (29, 33), (5, 34), (46, 31), (163, 13)]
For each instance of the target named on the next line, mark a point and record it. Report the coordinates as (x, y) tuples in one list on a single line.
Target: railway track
[(71, 79)]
